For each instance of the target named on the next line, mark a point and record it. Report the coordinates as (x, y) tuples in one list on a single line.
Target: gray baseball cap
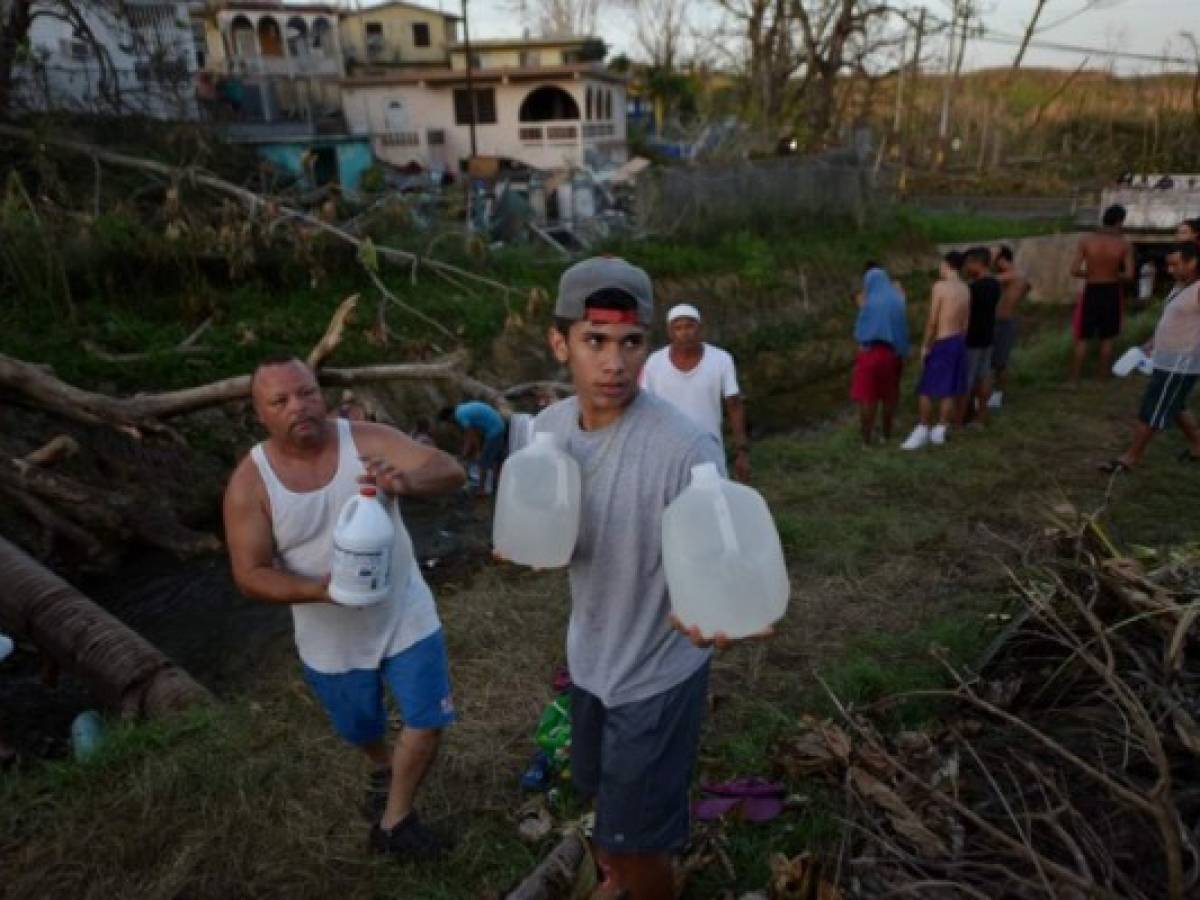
[(603, 273)]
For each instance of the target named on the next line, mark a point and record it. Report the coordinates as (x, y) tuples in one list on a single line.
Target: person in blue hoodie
[(882, 335)]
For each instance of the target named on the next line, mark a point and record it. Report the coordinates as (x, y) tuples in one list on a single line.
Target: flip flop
[(753, 799), (1114, 467), (1187, 456)]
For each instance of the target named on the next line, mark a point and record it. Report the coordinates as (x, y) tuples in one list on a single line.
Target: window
[(199, 44), (420, 34), (529, 59), (374, 35), (76, 49), (485, 106), (435, 137)]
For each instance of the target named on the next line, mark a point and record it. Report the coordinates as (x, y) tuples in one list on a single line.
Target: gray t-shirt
[(620, 645)]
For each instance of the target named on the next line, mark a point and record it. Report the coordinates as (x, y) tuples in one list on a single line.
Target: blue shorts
[(419, 679), (637, 761), (492, 453)]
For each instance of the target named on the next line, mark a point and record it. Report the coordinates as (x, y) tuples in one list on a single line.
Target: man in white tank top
[(280, 509), (1175, 350)]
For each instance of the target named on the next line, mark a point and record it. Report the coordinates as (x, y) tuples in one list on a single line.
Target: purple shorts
[(945, 372)]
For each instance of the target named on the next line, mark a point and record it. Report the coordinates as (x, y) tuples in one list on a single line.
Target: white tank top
[(332, 638)]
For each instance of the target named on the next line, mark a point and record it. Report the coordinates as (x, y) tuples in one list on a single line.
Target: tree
[(768, 56), (559, 18), (829, 33)]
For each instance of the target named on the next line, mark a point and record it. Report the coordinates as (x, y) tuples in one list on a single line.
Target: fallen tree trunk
[(555, 876), (141, 410), (127, 673)]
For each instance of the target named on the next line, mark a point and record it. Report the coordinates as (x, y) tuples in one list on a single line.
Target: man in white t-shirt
[(699, 379)]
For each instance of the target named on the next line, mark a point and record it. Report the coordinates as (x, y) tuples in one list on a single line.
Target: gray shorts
[(1005, 340), (979, 366), (637, 761)]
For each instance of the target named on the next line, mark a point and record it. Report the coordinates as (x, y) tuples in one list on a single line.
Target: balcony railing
[(286, 65), (564, 133)]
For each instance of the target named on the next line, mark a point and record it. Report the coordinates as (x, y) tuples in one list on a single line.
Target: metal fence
[(698, 199)]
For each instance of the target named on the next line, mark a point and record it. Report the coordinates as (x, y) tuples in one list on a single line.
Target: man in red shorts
[(882, 335), (1104, 259)]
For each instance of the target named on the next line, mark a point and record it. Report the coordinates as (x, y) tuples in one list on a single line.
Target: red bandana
[(611, 316)]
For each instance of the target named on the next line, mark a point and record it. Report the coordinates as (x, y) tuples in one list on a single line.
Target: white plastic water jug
[(364, 565), (1131, 359), (537, 505), (722, 556)]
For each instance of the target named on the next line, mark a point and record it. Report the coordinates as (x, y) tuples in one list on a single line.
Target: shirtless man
[(1104, 259), (1014, 286), (944, 350)]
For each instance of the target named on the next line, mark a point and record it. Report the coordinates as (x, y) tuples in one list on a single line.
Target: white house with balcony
[(536, 102), (114, 59)]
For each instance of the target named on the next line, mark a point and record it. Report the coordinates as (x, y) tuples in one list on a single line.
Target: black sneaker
[(408, 841), (376, 796)]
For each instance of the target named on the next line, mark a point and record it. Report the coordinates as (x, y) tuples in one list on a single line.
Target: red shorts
[(876, 376)]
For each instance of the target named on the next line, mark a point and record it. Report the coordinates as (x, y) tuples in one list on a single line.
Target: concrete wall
[(353, 159), (1046, 260), (516, 57)]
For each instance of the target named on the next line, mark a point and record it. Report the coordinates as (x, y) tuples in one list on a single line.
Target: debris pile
[(1068, 765)]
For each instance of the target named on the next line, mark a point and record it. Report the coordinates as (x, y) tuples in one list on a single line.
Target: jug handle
[(560, 470), (725, 525)]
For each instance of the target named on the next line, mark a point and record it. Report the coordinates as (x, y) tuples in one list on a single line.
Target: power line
[(995, 37)]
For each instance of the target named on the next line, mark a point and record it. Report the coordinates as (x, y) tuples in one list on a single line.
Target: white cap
[(682, 311)]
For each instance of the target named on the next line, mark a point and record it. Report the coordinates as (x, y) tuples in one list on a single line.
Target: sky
[(1146, 26)]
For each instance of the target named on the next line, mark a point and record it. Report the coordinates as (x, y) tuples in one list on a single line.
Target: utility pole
[(944, 121), (471, 115), (897, 121), (913, 88)]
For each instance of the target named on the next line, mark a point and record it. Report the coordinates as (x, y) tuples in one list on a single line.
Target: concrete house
[(543, 103), (396, 34), (136, 56), (271, 63)]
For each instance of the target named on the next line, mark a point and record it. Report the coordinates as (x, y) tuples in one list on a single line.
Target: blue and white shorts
[(418, 677)]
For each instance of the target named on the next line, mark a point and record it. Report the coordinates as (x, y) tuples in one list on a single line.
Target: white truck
[(1155, 203)]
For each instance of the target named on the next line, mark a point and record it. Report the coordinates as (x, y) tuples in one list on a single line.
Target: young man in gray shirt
[(639, 680)]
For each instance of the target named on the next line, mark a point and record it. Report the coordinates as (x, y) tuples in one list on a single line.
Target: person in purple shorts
[(944, 351)]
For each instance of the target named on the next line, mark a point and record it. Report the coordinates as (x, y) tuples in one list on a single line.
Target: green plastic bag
[(553, 733)]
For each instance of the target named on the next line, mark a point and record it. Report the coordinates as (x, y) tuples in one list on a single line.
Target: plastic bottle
[(364, 541), (1146, 280), (87, 731), (537, 505), (722, 556)]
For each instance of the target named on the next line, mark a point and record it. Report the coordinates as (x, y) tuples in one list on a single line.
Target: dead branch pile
[(1070, 766)]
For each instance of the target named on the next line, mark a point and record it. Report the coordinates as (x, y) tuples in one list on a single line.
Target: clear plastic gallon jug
[(722, 556), (87, 732), (363, 569), (537, 505)]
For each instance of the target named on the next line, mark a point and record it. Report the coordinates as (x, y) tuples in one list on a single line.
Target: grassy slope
[(254, 319), (888, 553)]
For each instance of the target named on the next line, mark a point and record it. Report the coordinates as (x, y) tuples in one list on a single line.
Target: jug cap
[(367, 490), (706, 473)]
